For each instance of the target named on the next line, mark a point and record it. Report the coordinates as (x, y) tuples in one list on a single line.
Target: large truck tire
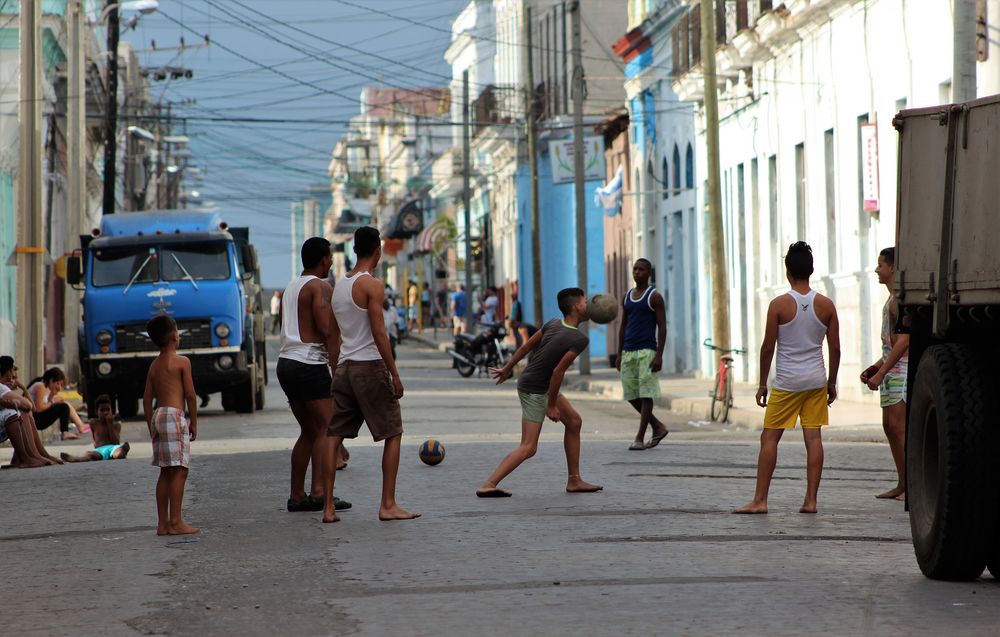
[(947, 451)]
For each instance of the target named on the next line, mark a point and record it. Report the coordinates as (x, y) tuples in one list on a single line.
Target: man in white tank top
[(366, 385), (797, 322), (304, 373)]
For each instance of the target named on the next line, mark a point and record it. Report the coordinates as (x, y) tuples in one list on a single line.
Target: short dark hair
[(6, 364), (646, 261), (799, 260), (160, 328), (889, 254), (53, 375), (567, 298), (313, 251), (366, 241), (103, 399)]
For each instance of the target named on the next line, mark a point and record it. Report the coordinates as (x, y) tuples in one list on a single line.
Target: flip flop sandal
[(493, 493), (316, 503), (655, 440), (637, 446), (302, 505)]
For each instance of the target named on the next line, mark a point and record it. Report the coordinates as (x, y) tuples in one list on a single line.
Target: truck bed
[(948, 216)]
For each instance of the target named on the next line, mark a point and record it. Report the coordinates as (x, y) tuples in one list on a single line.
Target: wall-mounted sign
[(869, 167), (561, 154)]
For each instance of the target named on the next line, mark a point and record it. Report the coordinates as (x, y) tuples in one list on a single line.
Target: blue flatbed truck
[(190, 265)]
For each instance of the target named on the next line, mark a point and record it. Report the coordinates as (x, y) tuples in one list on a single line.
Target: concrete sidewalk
[(690, 397)]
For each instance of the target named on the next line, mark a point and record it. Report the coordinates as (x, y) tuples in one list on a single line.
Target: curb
[(423, 340), (696, 408)]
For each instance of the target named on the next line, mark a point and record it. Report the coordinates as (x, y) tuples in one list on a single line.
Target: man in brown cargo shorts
[(366, 385)]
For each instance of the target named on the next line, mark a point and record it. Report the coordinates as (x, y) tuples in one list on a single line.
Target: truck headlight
[(225, 361), (222, 330), (104, 368), (104, 337)]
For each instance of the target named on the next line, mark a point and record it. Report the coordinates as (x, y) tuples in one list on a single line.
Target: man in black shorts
[(304, 370)]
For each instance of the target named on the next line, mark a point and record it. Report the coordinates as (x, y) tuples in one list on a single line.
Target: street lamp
[(110, 14)]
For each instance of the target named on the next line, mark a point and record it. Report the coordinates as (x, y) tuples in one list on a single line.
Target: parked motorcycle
[(482, 351)]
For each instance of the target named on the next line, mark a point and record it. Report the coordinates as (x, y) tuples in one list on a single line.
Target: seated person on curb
[(16, 422), (50, 407), (107, 435)]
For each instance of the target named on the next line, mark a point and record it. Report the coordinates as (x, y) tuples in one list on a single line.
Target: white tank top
[(292, 346), (355, 328), (800, 348)]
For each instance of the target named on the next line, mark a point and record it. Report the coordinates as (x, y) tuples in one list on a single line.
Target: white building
[(798, 85)]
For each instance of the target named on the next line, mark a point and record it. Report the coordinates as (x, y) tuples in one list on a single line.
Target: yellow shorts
[(785, 407)]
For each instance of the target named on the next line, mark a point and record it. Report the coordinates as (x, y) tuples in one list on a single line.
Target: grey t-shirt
[(557, 339)]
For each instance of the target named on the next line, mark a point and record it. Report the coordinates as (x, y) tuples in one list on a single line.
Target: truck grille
[(131, 337)]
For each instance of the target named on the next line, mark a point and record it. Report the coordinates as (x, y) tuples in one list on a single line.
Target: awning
[(436, 236)]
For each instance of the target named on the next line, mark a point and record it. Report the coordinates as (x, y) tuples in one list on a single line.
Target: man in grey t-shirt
[(553, 350)]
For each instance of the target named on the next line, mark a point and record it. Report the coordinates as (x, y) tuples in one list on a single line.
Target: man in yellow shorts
[(797, 323)]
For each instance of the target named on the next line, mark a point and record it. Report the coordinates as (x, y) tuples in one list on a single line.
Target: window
[(772, 211), (831, 200), (199, 261), (677, 170), (117, 266), (800, 192), (689, 168), (666, 178)]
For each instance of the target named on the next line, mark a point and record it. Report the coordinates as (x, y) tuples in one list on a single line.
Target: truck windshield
[(201, 261), (117, 266)]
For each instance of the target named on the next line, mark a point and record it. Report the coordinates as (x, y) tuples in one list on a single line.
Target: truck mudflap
[(951, 483)]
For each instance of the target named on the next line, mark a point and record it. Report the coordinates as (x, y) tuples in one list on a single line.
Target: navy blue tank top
[(640, 329)]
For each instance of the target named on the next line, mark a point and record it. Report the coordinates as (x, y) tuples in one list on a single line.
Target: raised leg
[(388, 509), (766, 461), (530, 431), (814, 467), (894, 425), (32, 428)]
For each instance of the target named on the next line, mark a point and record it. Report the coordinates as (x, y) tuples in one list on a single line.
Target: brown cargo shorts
[(363, 392)]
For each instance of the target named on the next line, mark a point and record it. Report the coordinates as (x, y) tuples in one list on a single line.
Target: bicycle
[(722, 391)]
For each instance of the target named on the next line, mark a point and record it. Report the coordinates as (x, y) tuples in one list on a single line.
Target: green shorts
[(107, 451), (638, 380), (892, 390), (533, 406)]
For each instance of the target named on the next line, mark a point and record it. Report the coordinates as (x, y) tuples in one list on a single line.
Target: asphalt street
[(656, 553)]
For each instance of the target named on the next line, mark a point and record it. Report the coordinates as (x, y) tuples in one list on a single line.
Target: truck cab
[(189, 265)]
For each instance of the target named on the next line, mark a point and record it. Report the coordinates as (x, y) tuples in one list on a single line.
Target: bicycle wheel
[(717, 396), (727, 402)]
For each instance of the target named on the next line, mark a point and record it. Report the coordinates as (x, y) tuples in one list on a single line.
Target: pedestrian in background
[(389, 316), (425, 306), (440, 306), (275, 312), (490, 304), (888, 375), (458, 307), (797, 322), (642, 335), (412, 303)]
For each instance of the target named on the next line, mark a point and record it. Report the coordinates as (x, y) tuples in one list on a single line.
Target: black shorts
[(302, 381)]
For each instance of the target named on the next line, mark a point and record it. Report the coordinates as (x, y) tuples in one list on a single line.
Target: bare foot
[(67, 458), (808, 507), (121, 452), (30, 464), (754, 508), (182, 529), (162, 530), (54, 459), (892, 494), (576, 485), (395, 513), (330, 519), (69, 435)]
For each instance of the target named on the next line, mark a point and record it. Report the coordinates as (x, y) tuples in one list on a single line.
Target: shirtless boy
[(366, 385), (888, 375), (169, 383), (553, 349), (107, 435), (797, 322)]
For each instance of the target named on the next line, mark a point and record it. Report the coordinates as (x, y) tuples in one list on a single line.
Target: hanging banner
[(869, 168), (561, 154)]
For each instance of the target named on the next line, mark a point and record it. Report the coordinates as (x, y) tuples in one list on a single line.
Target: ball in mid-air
[(603, 308), (432, 452)]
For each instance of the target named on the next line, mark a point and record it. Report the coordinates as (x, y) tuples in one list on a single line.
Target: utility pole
[(111, 108), (529, 109), (579, 194), (467, 194), (720, 284), (963, 74), (76, 106), (30, 251)]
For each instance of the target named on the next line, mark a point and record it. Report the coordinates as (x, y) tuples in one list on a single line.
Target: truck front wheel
[(946, 459)]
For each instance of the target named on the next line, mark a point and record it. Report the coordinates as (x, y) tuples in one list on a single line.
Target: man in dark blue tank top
[(642, 336)]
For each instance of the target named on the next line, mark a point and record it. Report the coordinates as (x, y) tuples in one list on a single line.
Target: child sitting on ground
[(107, 434), (169, 383)]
